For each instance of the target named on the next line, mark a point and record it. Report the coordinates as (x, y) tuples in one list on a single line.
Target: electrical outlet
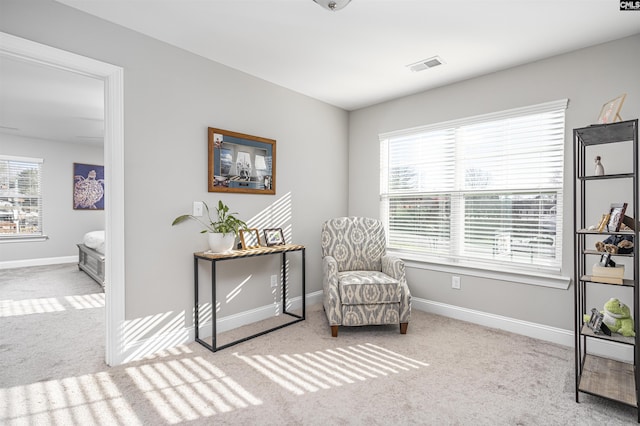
[(274, 281), (197, 208), (455, 282)]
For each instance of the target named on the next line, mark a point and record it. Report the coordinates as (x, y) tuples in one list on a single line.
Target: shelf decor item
[(610, 111), (610, 273), (602, 225), (616, 214), (273, 236), (599, 167), (595, 323), (241, 163)]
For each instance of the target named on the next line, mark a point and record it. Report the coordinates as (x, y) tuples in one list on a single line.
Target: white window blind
[(484, 191), (20, 197)]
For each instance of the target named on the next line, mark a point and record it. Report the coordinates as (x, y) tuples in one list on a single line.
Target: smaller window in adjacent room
[(20, 197), (485, 191)]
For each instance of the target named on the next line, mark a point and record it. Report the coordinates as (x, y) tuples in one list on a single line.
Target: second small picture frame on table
[(273, 237)]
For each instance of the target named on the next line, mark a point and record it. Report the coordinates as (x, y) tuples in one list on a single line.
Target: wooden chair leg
[(403, 327), (334, 331)]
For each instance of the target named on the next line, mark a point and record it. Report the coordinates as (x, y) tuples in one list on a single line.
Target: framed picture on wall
[(88, 187), (241, 163)]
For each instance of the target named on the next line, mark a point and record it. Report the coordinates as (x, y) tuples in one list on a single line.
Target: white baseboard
[(259, 314), (538, 331), (142, 348), (38, 262), (526, 328)]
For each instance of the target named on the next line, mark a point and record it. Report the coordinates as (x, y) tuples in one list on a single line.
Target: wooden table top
[(258, 251)]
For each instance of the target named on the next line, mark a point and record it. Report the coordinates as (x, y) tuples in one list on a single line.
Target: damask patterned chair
[(362, 285)]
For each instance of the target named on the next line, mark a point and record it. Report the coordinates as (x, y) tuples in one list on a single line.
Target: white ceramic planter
[(221, 243)]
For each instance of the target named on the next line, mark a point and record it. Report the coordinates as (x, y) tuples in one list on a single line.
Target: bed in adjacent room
[(91, 255)]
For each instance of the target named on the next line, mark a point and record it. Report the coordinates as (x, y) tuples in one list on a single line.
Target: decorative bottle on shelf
[(599, 168)]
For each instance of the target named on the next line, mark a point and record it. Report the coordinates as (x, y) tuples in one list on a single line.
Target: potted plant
[(222, 232)]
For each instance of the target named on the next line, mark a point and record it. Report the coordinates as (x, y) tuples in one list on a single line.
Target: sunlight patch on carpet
[(87, 399), (190, 388), (86, 301), (147, 335), (314, 371), (43, 305)]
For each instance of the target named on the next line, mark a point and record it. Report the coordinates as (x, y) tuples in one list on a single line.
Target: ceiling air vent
[(425, 63)]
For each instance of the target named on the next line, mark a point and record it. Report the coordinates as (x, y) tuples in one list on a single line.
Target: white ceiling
[(357, 57), (38, 101)]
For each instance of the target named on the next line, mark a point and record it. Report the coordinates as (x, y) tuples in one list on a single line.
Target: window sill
[(520, 277), (23, 239)]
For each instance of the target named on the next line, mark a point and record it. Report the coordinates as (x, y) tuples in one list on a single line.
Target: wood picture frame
[(250, 238), (241, 163), (616, 216), (602, 225), (273, 237), (610, 112)]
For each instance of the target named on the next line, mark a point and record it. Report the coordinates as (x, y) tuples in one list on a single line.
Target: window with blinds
[(480, 191), (20, 197)]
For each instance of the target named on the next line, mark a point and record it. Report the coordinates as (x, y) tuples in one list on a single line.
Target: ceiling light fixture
[(333, 5)]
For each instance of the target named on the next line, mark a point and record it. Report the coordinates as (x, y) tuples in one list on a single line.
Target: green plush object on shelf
[(617, 316)]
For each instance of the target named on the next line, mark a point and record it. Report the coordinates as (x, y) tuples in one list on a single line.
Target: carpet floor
[(443, 372)]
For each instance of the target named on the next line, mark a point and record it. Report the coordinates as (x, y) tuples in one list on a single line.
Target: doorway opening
[(112, 76)]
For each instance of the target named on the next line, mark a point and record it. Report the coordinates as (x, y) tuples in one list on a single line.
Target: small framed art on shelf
[(596, 323), (616, 215), (610, 111)]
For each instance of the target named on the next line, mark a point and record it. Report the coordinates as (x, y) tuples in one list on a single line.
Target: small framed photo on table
[(273, 237), (250, 238)]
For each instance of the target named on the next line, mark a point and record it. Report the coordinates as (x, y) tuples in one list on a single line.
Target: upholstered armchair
[(362, 285)]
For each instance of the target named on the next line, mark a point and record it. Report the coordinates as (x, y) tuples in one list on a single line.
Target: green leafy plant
[(227, 223)]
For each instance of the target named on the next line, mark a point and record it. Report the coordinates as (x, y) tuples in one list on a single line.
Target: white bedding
[(94, 240)]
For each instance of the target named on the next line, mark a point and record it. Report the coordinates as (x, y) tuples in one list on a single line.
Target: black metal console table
[(214, 258)]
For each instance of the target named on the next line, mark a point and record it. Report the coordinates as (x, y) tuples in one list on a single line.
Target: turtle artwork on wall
[(88, 187)]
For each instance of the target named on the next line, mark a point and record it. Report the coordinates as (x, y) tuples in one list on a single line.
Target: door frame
[(112, 76)]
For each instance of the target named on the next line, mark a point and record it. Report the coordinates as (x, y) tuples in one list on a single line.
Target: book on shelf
[(608, 271), (606, 280)]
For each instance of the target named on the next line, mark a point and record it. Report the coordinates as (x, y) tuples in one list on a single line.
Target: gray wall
[(588, 77), (61, 223), (171, 97)]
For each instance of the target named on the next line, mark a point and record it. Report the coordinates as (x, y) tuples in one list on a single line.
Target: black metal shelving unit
[(596, 374)]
